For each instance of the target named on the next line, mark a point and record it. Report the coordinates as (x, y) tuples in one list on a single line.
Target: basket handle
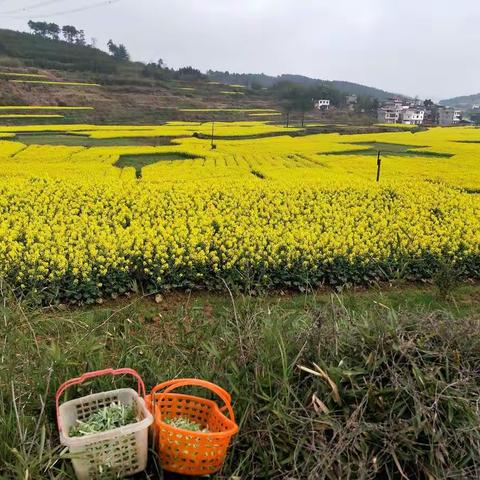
[(97, 373), (194, 382)]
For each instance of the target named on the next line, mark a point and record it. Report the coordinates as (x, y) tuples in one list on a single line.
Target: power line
[(30, 7), (74, 10)]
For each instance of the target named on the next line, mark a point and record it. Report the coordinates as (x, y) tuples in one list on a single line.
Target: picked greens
[(114, 416)]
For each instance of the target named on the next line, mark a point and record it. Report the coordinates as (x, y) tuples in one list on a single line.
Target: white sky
[(415, 47)]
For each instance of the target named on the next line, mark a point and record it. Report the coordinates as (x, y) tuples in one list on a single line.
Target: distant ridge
[(464, 102), (267, 81)]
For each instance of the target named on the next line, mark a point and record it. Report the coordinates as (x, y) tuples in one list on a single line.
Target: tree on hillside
[(69, 33), (53, 31), (80, 40), (294, 98), (158, 71), (118, 51), (367, 105), (189, 73), (38, 28), (45, 30), (72, 35)]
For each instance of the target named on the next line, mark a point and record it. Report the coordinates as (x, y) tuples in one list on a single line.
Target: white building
[(449, 116), (322, 104), (397, 110), (351, 101), (390, 111), (412, 116), (388, 115)]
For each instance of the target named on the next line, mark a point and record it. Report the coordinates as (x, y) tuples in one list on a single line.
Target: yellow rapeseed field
[(276, 211), (29, 115), (45, 82), (41, 107), (15, 74)]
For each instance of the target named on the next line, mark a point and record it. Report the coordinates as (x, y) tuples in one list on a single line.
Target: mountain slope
[(464, 102), (54, 54), (147, 94)]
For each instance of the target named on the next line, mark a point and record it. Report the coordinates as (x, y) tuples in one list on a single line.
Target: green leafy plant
[(114, 416), (184, 423)]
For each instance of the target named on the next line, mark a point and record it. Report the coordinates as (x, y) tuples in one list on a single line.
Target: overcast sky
[(427, 48)]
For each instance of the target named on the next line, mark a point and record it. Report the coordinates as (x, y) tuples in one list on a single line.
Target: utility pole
[(212, 144), (379, 164)]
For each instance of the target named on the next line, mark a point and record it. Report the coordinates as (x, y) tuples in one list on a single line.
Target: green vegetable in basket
[(107, 418), (185, 423)]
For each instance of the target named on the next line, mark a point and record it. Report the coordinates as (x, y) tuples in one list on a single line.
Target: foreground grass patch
[(372, 385)]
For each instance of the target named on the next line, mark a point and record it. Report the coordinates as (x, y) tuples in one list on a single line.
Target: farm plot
[(81, 222)]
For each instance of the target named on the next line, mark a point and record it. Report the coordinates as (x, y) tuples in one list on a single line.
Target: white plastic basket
[(115, 453)]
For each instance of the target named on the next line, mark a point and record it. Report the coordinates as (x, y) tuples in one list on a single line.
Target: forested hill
[(262, 80), (42, 52), (465, 102), (56, 54)]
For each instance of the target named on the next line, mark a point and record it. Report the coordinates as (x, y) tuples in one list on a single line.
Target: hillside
[(263, 80), (54, 54), (464, 102), (130, 91), (125, 95)]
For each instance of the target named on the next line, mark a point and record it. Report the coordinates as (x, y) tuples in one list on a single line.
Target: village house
[(449, 116), (390, 111), (408, 112), (412, 116), (351, 102), (415, 112), (322, 104)]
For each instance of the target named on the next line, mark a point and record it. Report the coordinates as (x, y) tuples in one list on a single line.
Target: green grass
[(389, 384), (142, 160), (81, 141), (389, 149)]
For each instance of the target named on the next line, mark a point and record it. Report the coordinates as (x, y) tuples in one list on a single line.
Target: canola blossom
[(40, 107), (258, 212), (45, 82), (170, 129), (15, 74), (29, 115)]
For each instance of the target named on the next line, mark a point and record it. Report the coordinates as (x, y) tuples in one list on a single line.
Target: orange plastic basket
[(182, 451)]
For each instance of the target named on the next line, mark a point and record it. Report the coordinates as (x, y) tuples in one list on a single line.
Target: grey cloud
[(424, 47)]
